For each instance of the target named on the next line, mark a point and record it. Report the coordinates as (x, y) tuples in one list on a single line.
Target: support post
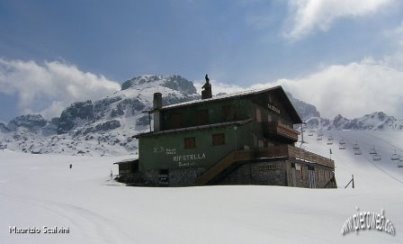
[(352, 179), (351, 182)]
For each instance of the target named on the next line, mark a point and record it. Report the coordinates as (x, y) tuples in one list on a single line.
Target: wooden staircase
[(227, 161)]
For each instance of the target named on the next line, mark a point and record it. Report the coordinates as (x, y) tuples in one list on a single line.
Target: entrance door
[(163, 177), (311, 178), (294, 180)]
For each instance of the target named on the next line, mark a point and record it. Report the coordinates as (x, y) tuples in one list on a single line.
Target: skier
[(71, 166)]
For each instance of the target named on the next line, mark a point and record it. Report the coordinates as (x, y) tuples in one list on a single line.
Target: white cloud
[(395, 40), (352, 90), (49, 87), (310, 15)]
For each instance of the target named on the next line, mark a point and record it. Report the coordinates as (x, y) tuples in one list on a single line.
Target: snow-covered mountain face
[(107, 126), (305, 110), (102, 127), (373, 121)]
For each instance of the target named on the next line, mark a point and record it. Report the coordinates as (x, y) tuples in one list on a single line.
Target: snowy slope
[(38, 190), (347, 162)]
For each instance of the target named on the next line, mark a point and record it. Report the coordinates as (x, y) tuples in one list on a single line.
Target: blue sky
[(241, 44)]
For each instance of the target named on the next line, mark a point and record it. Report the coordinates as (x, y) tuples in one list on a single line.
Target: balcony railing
[(278, 129), (274, 152), (286, 151)]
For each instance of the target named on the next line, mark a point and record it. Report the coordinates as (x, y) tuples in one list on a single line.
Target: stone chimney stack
[(157, 104)]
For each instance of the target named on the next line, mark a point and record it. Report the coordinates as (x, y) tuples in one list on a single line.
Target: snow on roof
[(127, 160), (238, 94), (293, 112)]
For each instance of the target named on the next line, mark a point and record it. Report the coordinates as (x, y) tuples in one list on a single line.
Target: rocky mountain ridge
[(373, 121), (107, 126), (102, 127)]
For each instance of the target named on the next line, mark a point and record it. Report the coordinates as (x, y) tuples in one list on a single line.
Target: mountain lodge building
[(245, 138)]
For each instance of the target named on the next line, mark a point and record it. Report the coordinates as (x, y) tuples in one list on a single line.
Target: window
[(202, 117), (227, 112), (190, 142), (258, 115), (218, 139), (176, 120), (164, 171)]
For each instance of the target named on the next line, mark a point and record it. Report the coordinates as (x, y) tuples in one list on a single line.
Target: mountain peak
[(30, 121), (175, 82)]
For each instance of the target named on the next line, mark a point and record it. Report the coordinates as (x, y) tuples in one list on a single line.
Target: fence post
[(352, 181)]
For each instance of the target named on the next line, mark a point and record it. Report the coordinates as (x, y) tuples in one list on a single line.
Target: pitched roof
[(293, 113)]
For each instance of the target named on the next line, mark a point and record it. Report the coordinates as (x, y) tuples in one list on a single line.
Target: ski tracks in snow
[(93, 225), (86, 226)]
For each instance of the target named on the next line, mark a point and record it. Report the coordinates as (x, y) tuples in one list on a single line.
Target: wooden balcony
[(286, 151), (271, 153), (279, 130)]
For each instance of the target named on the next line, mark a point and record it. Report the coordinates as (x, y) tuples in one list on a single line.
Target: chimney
[(157, 101), (157, 104)]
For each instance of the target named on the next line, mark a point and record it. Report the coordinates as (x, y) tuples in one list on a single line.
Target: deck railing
[(278, 129), (286, 151), (274, 152)]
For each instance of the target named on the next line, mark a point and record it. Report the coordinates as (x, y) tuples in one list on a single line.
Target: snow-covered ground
[(41, 190)]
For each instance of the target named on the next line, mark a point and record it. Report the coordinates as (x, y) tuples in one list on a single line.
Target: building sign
[(189, 157), (158, 149), (170, 151), (186, 164), (187, 160), (273, 108)]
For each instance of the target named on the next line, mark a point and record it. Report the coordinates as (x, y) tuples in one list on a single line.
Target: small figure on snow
[(71, 166)]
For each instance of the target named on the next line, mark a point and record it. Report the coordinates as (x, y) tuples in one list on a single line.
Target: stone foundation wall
[(280, 172), (174, 177), (302, 174), (261, 173)]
